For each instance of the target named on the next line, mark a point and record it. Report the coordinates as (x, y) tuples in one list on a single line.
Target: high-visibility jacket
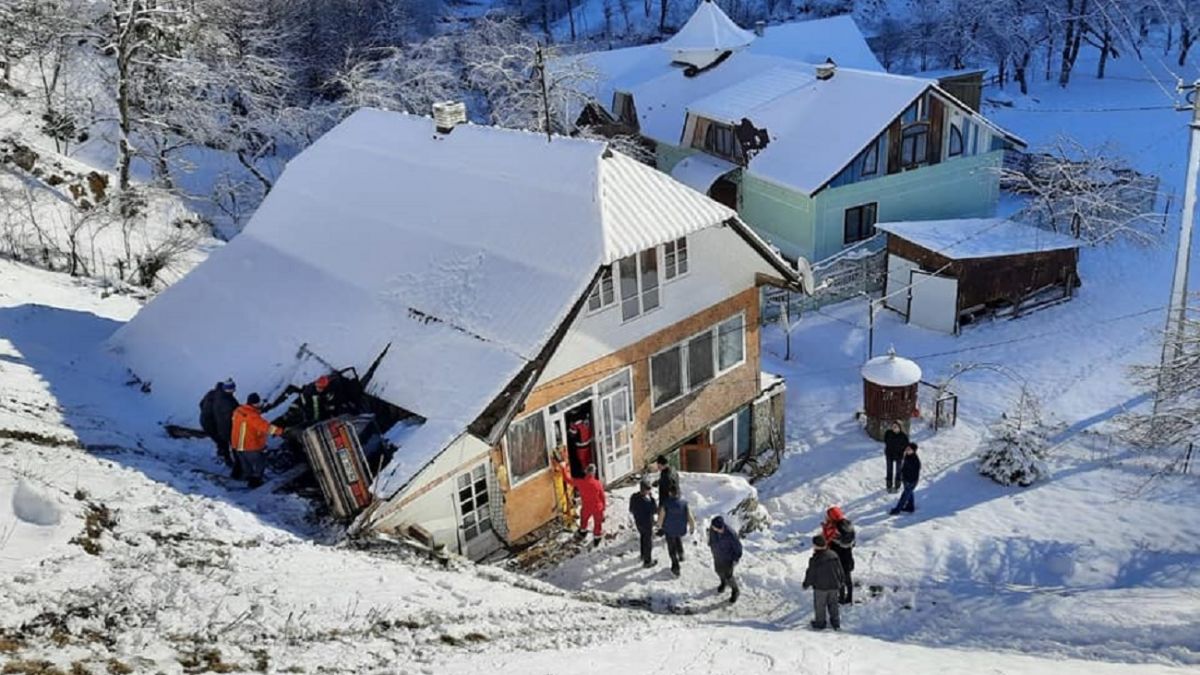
[(250, 430)]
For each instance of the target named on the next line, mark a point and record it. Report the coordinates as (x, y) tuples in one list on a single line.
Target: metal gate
[(933, 302)]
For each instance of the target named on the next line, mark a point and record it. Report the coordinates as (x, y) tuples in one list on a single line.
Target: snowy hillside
[(125, 551)]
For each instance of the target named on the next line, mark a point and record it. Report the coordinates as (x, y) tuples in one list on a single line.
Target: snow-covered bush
[(1014, 450)]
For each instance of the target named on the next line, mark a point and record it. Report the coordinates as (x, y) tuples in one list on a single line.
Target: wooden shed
[(943, 274)]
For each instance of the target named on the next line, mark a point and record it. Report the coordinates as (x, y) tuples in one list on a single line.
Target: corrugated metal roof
[(642, 207), (733, 103)]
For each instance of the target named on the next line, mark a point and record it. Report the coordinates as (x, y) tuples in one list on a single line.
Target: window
[(732, 342), (639, 283), (914, 145), (624, 109), (526, 446), (474, 516), (602, 293), (688, 366), (731, 437), (860, 223), (870, 160), (719, 140), (956, 141), (666, 375), (675, 258), (700, 359)]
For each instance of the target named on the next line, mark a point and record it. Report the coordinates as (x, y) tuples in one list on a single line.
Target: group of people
[(670, 516), (240, 431), (830, 569), (903, 467)]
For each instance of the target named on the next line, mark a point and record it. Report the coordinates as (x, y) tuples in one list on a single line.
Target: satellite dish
[(806, 276)]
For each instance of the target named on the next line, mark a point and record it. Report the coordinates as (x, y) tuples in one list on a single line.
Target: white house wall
[(720, 264), (429, 500)]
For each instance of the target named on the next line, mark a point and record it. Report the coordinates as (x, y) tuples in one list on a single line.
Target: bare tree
[(1088, 193), (1175, 420)]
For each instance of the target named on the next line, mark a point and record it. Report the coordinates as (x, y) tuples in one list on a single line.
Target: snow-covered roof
[(977, 237), (890, 370), (464, 252), (836, 37), (706, 35)]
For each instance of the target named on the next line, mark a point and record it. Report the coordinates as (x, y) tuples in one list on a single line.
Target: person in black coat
[(668, 478), (645, 511), (910, 473), (216, 419), (726, 552), (824, 576), (894, 442)]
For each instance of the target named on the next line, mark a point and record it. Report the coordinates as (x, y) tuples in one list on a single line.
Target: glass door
[(615, 426)]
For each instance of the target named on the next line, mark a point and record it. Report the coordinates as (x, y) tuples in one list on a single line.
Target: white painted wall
[(435, 510), (720, 263)]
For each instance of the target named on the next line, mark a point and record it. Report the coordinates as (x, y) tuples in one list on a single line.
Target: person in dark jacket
[(894, 442), (910, 473), (824, 576), (644, 509), (839, 535), (216, 419), (675, 520), (726, 552), (668, 478), (315, 402)]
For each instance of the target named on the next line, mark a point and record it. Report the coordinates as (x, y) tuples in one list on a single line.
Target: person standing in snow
[(643, 508), (839, 534), (894, 442), (668, 478), (824, 576), (675, 520), (726, 552), (250, 433), (910, 473), (216, 419), (593, 502)]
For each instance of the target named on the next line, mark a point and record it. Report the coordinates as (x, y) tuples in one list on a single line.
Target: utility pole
[(540, 62), (1177, 309)]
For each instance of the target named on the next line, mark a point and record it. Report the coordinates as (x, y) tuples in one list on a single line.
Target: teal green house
[(798, 128)]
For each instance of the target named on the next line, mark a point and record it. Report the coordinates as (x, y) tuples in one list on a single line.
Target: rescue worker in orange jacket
[(249, 438)]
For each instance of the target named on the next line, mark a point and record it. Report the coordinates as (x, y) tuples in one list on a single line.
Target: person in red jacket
[(594, 501)]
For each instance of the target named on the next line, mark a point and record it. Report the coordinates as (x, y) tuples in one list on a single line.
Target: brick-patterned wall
[(531, 504)]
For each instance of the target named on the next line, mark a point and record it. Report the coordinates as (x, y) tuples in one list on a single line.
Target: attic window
[(870, 160), (956, 141), (639, 283), (624, 109), (675, 258), (602, 293), (914, 145), (720, 140)]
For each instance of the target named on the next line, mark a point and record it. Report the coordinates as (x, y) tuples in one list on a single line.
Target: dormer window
[(624, 109), (720, 141)]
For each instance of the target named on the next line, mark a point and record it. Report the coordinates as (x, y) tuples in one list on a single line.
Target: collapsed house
[(515, 287)]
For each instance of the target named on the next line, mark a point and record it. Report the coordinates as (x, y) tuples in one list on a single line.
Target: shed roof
[(966, 238), (891, 370), (464, 251), (707, 34)]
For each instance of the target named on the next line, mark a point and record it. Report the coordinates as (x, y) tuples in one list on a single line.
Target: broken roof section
[(464, 251), (706, 35)]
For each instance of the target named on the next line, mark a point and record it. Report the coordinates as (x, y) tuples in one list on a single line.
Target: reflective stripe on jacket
[(250, 430)]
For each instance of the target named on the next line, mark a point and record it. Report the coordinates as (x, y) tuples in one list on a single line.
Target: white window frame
[(685, 389), (598, 291), (641, 290), (732, 419), (487, 509), (546, 433), (675, 245)]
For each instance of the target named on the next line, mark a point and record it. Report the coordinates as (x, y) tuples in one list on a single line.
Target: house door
[(471, 498), (933, 302), (698, 456), (614, 426)]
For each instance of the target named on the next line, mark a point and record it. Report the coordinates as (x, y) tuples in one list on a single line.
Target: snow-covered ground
[(119, 548)]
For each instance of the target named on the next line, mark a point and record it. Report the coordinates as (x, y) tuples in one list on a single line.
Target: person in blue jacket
[(726, 552), (910, 473)]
